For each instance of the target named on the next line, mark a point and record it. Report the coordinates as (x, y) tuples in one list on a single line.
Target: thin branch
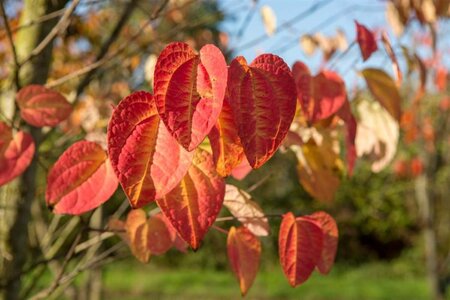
[(259, 183), (105, 47), (220, 229), (107, 58), (37, 21), (59, 27), (12, 45), (46, 293)]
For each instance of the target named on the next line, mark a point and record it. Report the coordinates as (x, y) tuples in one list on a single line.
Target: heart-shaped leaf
[(384, 90), (319, 96), (189, 91), (247, 211), (263, 99), (300, 243), (193, 205), (40, 106), (366, 41), (81, 179), (147, 160), (244, 251), (225, 143), (16, 153), (330, 240)]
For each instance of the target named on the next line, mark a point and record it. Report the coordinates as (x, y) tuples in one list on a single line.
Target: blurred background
[(394, 238)]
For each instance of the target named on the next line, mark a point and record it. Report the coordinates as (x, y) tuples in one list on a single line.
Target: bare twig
[(220, 229), (45, 293), (59, 27), (12, 45)]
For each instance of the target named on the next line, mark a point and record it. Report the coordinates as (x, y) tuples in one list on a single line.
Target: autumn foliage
[(204, 121)]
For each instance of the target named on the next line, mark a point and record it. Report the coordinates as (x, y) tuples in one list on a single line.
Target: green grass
[(370, 282)]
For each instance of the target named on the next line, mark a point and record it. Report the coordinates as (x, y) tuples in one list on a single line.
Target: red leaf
[(366, 41), (300, 244), (177, 241), (225, 143), (147, 160), (40, 106), (319, 96), (330, 240), (189, 91), (81, 179), (244, 252), (194, 204), (159, 238), (263, 99), (16, 153)]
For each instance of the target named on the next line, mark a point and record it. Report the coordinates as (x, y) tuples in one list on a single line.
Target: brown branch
[(220, 229), (105, 47), (59, 27), (40, 20), (12, 45)]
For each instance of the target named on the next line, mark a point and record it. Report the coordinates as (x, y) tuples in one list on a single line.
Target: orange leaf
[(366, 41), (16, 153), (384, 90), (244, 252), (177, 241), (147, 160), (189, 91), (263, 99), (300, 245), (330, 240), (225, 143), (316, 169), (159, 237), (136, 230), (193, 205), (40, 106), (81, 179), (247, 211), (319, 96)]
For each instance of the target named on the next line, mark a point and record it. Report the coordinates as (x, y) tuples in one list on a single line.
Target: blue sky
[(327, 18)]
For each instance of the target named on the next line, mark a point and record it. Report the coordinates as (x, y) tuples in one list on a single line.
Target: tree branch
[(13, 47), (59, 27)]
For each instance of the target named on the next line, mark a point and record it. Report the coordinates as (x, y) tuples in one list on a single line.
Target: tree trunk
[(426, 207), (14, 239)]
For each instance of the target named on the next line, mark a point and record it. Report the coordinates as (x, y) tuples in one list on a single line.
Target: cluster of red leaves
[(153, 140)]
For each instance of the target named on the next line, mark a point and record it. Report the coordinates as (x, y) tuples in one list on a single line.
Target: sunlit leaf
[(241, 170), (244, 251), (320, 96), (263, 99), (189, 91), (384, 90), (16, 153), (377, 134), (81, 179), (269, 19), (300, 243), (246, 210), (147, 160), (366, 41), (40, 106), (330, 240), (136, 231), (193, 205), (225, 142)]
